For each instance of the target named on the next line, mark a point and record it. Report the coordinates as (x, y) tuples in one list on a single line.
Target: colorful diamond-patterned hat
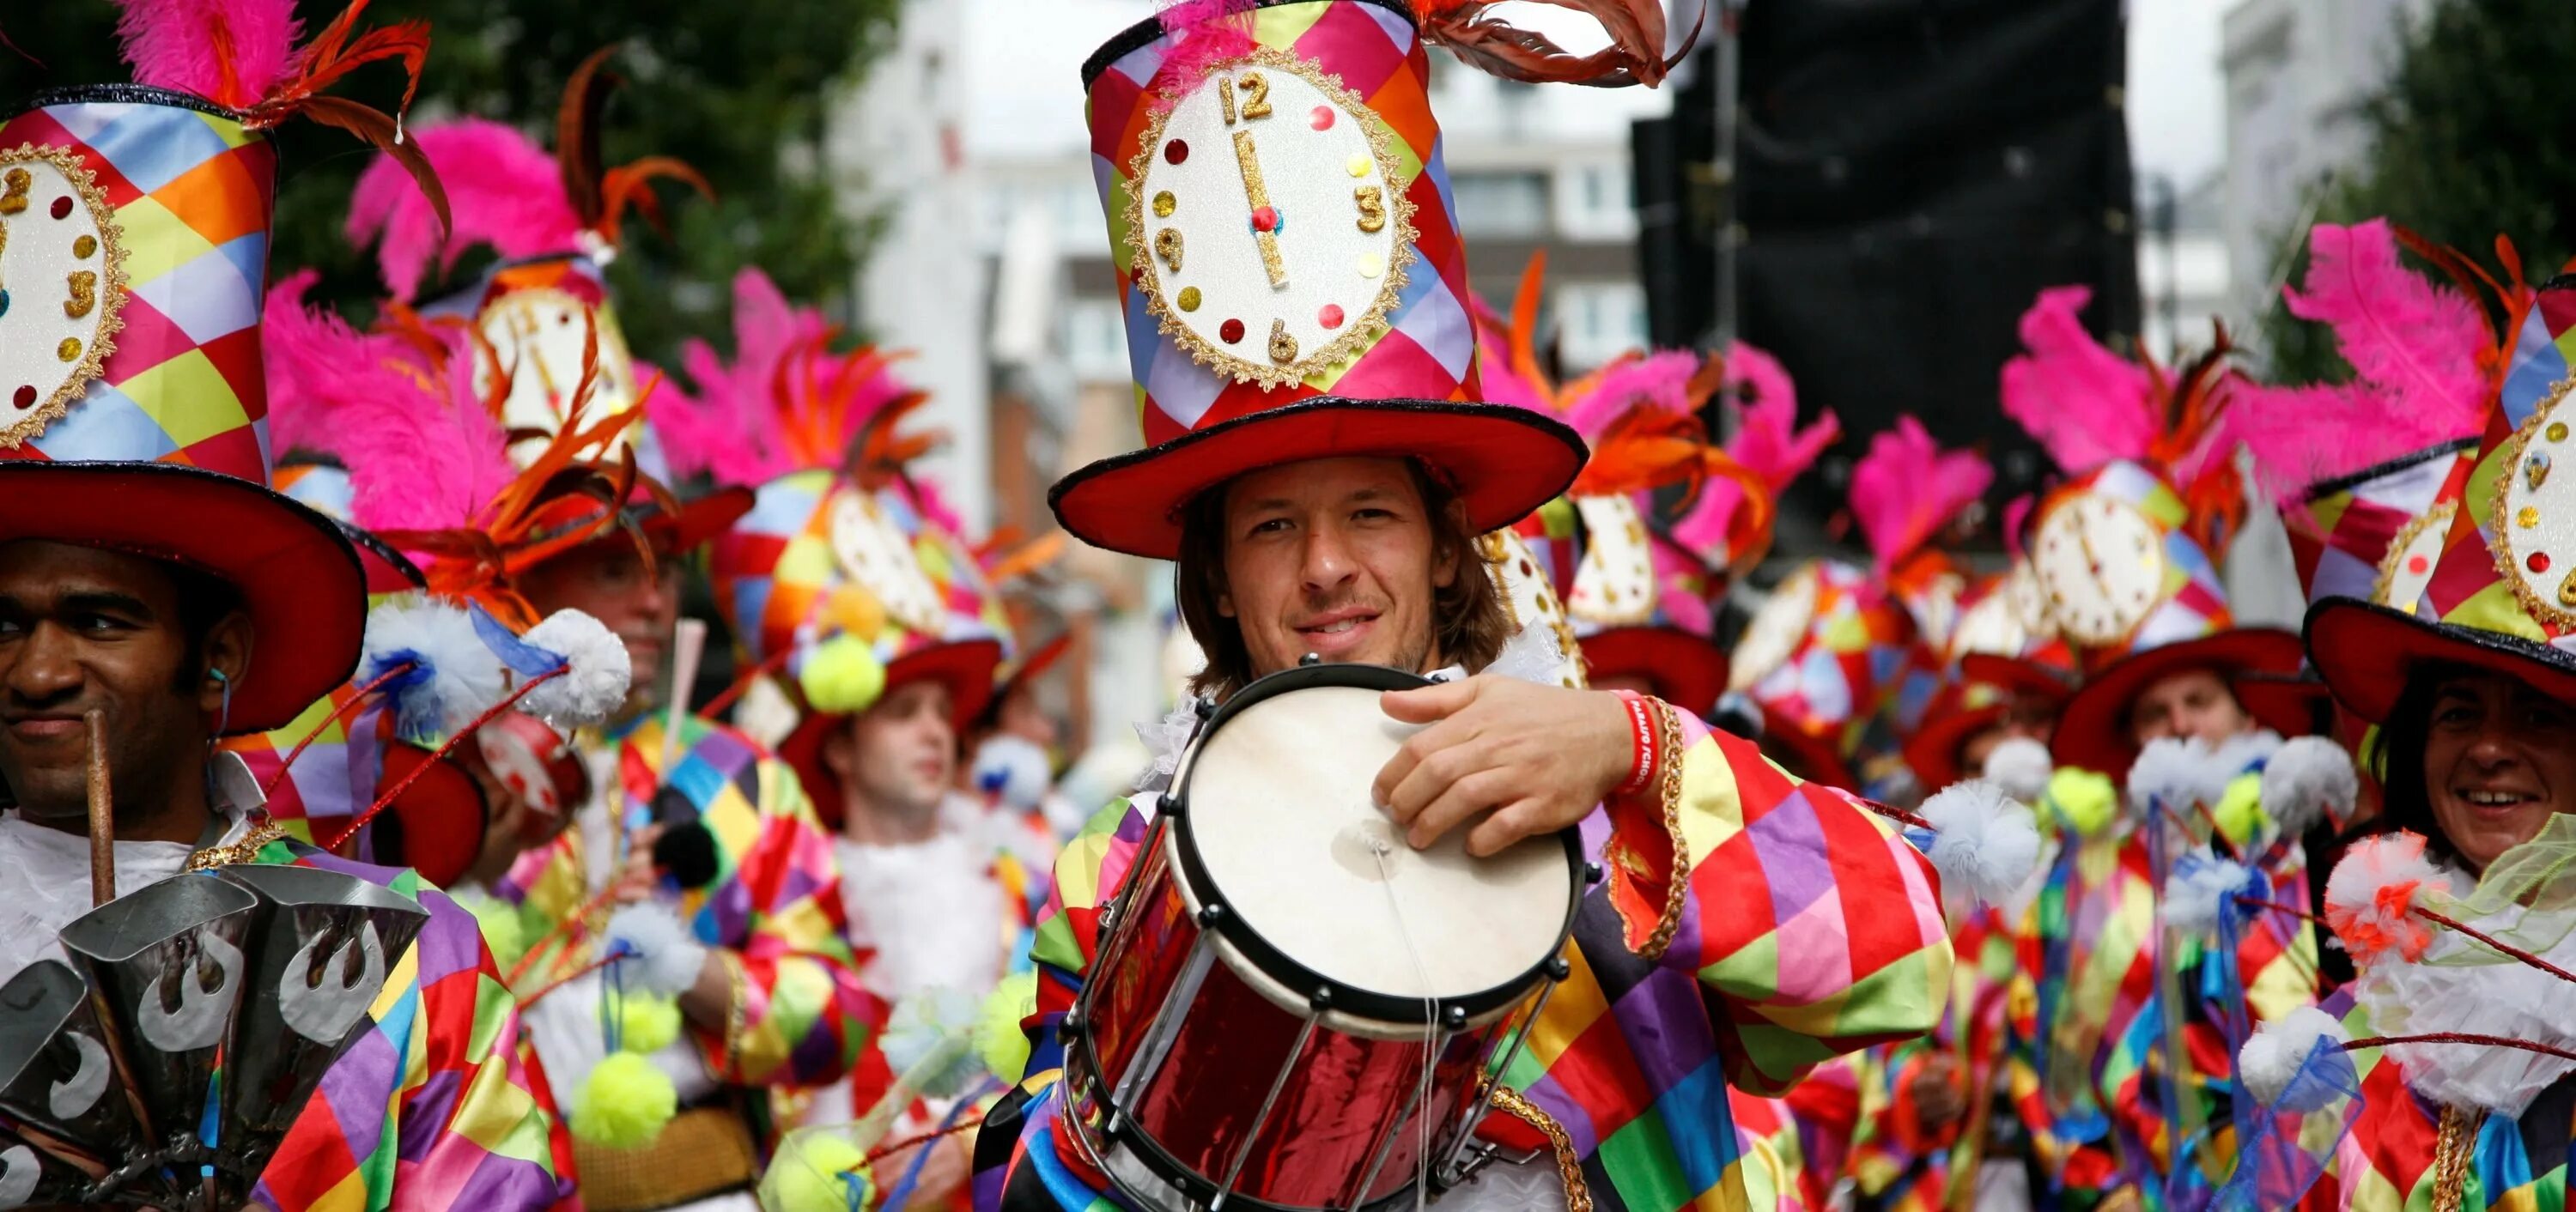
[(2125, 551), (1290, 267), (2499, 596), (1820, 658), (2002, 653), (136, 221)]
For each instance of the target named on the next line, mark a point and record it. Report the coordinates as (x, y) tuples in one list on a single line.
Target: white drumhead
[(1280, 808)]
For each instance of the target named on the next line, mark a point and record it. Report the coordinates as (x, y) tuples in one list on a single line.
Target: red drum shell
[(1346, 1096)]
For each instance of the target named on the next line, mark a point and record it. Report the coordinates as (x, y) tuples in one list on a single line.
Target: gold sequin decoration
[(1361, 164), (69, 350), (2528, 518), (1189, 298), (1371, 265), (1165, 204), (2557, 431), (1283, 348), (85, 247), (2535, 470)]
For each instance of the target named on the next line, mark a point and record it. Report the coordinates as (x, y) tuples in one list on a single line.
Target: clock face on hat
[(1775, 631), (1992, 625), (2407, 570), (536, 338), (2102, 564), (874, 553), (1266, 228), (62, 286), (2533, 526)]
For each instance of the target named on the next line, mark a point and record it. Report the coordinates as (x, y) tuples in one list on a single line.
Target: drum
[(1291, 1008)]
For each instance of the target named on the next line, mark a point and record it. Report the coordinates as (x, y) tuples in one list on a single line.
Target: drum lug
[(1454, 1018), (1205, 707), (1312, 658), (1592, 872), (1559, 969), (1070, 1027), (1211, 914), (1321, 999)]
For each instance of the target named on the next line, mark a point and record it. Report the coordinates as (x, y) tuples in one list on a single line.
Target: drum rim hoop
[(1277, 965)]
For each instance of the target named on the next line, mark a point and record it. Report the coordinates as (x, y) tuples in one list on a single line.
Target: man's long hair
[(1468, 618)]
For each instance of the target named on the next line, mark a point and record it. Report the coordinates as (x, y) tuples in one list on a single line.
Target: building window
[(1601, 321), (1095, 341), (1500, 203)]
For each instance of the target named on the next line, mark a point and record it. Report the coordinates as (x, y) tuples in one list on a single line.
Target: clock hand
[(1257, 196)]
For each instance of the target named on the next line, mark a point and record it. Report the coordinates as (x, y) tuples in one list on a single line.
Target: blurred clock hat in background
[(2127, 550), (1288, 261), (136, 221)]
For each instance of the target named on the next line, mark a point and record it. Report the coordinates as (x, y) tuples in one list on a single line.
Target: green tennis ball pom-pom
[(624, 1103), (2084, 800), (817, 1172), (505, 931), (647, 1024), (843, 677), (2239, 812), (998, 1038)]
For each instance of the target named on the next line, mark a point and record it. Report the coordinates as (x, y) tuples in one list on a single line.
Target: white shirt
[(44, 872)]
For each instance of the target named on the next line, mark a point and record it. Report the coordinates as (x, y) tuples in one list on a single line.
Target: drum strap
[(1578, 1197)]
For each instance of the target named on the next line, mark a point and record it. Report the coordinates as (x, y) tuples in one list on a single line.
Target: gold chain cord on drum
[(1668, 750), (1578, 1196), (2453, 1146)]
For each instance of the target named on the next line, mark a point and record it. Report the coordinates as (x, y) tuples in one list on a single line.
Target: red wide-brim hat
[(966, 666), (1933, 751), (299, 579), (439, 820), (2366, 653), (1502, 462), (1685, 670), (2093, 731)]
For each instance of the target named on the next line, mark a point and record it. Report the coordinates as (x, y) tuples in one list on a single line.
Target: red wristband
[(1641, 740)]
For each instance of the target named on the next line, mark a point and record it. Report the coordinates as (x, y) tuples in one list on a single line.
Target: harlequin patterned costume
[(1822, 658), (149, 436)]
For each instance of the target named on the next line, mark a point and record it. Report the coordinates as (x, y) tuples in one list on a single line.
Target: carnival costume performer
[(155, 578), (2457, 1093), (697, 850), (849, 581), (2134, 1012), (1321, 487)]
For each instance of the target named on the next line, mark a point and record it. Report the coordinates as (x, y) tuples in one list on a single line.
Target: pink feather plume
[(502, 188), (230, 52), (317, 363), (2417, 350), (1205, 33), (1907, 488), (2085, 404), (1767, 438), (757, 418), (1659, 381)]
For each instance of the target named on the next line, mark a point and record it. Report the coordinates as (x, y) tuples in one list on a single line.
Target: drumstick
[(102, 813), (687, 643)]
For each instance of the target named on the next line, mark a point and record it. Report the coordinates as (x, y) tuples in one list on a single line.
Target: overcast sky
[(1028, 98)]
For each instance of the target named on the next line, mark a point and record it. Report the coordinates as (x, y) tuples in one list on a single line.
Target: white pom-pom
[(2308, 780), (2237, 754), (1984, 843), (664, 957), (2273, 1056), (2372, 893), (934, 1025), (2168, 770), (2197, 890), (592, 690), (2021, 766), (1014, 769), (457, 675)]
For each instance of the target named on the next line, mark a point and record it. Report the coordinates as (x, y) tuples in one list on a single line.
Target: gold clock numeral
[(1167, 245), (13, 190), (1372, 204), (84, 289), (1256, 95), (4, 253), (1225, 99), (1283, 348), (2567, 590)]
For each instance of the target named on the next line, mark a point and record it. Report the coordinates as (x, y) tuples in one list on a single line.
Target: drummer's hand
[(639, 878), (1539, 758)]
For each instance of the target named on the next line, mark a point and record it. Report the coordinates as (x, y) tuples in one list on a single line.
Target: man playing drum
[(1320, 488)]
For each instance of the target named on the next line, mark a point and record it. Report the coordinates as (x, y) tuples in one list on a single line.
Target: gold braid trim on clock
[(109, 291), (1578, 1195), (2501, 528)]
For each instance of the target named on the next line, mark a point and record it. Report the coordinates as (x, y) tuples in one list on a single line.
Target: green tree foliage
[(2470, 140), (740, 90)]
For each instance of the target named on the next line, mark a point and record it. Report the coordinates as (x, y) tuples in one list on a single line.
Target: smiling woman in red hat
[(1319, 462)]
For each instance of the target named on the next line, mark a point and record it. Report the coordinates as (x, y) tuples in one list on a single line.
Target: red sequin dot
[(1265, 218), (2539, 561), (26, 397), (1323, 117), (1175, 151), (2418, 565), (1331, 316), (63, 206), (1231, 331)]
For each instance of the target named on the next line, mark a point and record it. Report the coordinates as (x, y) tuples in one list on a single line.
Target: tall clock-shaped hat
[(1820, 657), (2126, 551), (1289, 260), (134, 231), (2500, 595), (540, 325)]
